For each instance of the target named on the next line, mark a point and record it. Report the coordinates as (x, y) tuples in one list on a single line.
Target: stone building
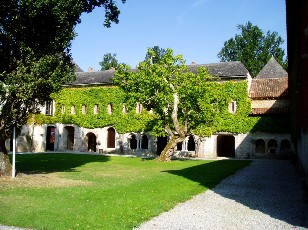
[(268, 92)]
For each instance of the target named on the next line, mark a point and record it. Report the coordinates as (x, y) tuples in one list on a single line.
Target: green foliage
[(253, 48), (109, 62), (102, 97), (222, 93), (35, 59), (114, 192), (155, 54)]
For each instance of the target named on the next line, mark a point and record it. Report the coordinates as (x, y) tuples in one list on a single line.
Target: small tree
[(253, 48), (174, 94)]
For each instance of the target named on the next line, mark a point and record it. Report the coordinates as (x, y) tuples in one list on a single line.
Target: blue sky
[(197, 29)]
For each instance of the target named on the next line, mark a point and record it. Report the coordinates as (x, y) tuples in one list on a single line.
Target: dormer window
[(124, 109), (63, 109)]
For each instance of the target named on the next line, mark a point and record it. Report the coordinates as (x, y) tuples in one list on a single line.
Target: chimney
[(112, 68), (90, 69)]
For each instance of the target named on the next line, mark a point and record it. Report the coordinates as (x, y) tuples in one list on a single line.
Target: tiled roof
[(269, 88), (222, 69), (88, 78), (272, 69)]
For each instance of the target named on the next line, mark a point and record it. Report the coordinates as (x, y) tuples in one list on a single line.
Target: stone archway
[(272, 146), (50, 138), (191, 145), (260, 146), (144, 142), (225, 146), (91, 141), (161, 144), (111, 138), (133, 142), (68, 137)]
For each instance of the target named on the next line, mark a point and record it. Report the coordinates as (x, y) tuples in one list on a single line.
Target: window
[(73, 110), (84, 109), (232, 107), (63, 109), (95, 109), (139, 108), (49, 108), (109, 108)]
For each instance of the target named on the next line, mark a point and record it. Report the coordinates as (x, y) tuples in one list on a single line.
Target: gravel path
[(268, 194)]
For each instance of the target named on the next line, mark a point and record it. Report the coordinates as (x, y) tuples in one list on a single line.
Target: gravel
[(268, 194)]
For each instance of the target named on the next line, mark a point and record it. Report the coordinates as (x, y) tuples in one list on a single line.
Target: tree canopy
[(174, 95), (109, 62), (155, 54), (35, 59), (253, 48)]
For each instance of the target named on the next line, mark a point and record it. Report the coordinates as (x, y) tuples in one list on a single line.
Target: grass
[(70, 191)]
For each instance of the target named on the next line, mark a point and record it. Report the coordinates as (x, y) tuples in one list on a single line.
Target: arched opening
[(161, 144), (272, 146), (225, 146), (179, 146), (191, 145), (144, 142), (91, 142), (133, 142), (260, 146), (68, 137), (111, 138), (50, 138), (285, 145)]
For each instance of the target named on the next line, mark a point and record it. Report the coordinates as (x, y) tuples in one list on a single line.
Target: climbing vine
[(130, 121)]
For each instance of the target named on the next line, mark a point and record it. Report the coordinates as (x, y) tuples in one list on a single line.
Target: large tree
[(174, 95), (253, 48), (35, 59)]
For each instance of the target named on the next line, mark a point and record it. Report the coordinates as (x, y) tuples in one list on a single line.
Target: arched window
[(133, 142), (144, 142), (111, 138), (260, 146)]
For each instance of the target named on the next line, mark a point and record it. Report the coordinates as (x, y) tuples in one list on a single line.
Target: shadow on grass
[(55, 162), (270, 186), (210, 174)]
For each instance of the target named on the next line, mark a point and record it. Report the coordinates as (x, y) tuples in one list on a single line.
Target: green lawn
[(70, 191)]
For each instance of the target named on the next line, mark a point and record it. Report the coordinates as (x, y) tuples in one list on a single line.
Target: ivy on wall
[(102, 96)]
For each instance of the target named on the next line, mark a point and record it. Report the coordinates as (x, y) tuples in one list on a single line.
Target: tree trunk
[(5, 164), (170, 148)]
